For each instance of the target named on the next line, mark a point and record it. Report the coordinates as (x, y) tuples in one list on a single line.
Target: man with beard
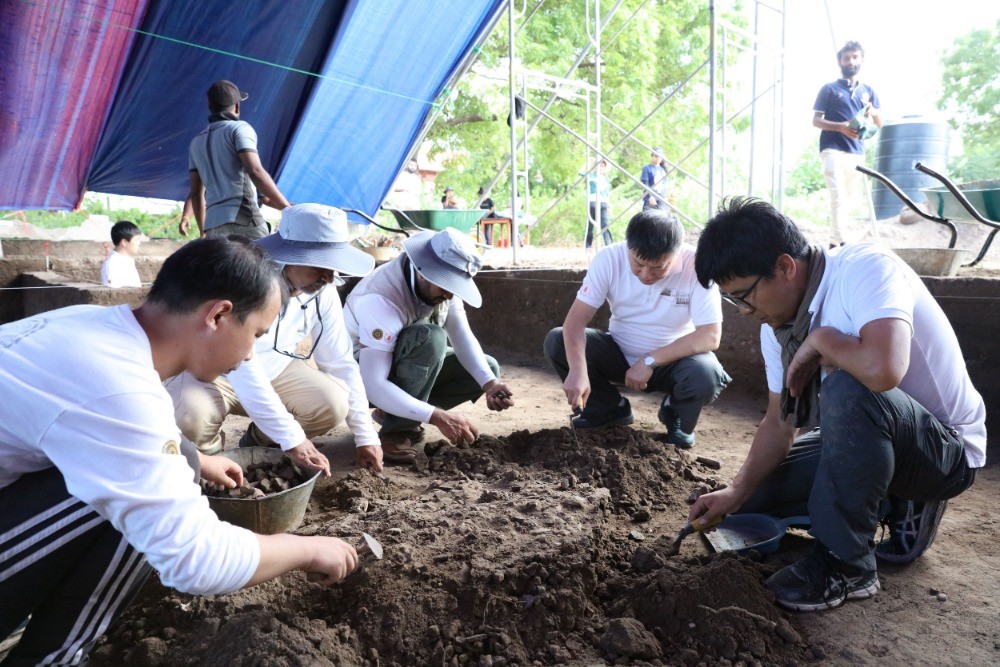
[(418, 356), (289, 400), (225, 171), (841, 147)]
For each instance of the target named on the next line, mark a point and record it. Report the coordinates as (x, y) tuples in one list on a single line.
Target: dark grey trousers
[(690, 383), (426, 368), (869, 445)]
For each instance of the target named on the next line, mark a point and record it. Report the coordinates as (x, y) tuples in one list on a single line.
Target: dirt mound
[(535, 548)]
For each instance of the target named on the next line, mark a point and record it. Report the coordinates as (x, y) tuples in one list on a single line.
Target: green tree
[(971, 96), (643, 61)]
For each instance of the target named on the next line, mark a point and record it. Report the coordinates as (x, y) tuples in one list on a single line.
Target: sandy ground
[(531, 548)]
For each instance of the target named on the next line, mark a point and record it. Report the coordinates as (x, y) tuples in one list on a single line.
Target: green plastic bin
[(438, 219)]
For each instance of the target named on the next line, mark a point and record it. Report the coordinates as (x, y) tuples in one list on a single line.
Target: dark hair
[(230, 268), (745, 238), (850, 46), (123, 230), (653, 234)]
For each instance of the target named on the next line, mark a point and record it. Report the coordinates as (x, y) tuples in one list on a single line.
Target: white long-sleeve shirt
[(320, 317), (378, 309), (80, 393)]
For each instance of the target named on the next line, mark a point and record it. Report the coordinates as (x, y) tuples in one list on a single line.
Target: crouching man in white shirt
[(402, 318), (289, 400), (663, 330), (94, 487)]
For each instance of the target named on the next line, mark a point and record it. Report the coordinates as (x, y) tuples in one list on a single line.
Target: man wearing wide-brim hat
[(290, 400), (418, 356)]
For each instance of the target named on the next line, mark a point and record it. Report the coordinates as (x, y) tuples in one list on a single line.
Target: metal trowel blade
[(374, 546)]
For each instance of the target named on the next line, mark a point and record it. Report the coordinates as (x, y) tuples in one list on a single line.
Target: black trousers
[(603, 222), (689, 384), (869, 445), (65, 566)]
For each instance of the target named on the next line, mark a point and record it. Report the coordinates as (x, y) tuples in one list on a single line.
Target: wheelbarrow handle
[(959, 196), (909, 202), (372, 221)]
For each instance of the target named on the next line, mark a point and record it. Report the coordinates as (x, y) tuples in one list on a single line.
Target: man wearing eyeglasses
[(855, 344), (664, 327), (418, 356), (289, 399)]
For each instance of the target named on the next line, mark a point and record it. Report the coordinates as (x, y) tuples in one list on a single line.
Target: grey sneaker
[(675, 435), (912, 528), (821, 581)]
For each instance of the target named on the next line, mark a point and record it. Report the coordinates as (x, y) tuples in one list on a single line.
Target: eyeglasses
[(315, 342), (740, 300)]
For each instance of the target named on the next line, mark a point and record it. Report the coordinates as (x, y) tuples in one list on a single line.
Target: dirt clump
[(535, 548)]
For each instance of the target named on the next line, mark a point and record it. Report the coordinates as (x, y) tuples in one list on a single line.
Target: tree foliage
[(971, 96), (648, 48)]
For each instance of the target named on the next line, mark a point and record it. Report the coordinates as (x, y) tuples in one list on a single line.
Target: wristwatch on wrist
[(649, 361)]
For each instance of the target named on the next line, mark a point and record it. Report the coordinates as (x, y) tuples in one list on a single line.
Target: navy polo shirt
[(839, 103)]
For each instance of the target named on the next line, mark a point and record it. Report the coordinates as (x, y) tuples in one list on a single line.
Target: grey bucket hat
[(316, 235), (448, 259)]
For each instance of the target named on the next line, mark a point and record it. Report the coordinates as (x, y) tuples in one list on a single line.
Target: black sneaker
[(821, 581), (912, 529), (675, 435), (620, 415)]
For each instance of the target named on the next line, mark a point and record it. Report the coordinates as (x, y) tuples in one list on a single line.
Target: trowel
[(577, 411), (692, 527), (371, 547)]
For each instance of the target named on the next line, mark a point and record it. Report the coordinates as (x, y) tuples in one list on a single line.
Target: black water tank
[(902, 143)]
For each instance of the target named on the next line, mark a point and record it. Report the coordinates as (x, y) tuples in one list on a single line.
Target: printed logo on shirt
[(683, 298), (585, 289), (667, 292), (377, 334), (170, 447), (15, 331)]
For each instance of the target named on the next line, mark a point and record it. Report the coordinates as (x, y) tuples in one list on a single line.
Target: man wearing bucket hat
[(289, 400), (226, 173), (402, 319), (96, 484), (854, 344)]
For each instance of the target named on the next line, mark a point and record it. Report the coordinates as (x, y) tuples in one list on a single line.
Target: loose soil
[(531, 547)]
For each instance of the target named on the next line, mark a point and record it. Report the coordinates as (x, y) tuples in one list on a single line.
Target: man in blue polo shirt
[(840, 144)]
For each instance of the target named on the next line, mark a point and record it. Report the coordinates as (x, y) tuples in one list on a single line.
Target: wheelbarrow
[(947, 200)]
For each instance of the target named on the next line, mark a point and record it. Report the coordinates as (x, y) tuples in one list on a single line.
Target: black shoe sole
[(621, 421)]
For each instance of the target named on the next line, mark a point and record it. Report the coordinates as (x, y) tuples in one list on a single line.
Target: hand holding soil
[(456, 428)]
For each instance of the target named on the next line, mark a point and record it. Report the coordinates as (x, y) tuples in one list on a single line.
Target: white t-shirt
[(80, 393), (380, 307), (119, 270), (648, 317), (306, 315), (863, 283)]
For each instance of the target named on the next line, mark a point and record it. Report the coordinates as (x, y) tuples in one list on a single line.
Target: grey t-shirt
[(230, 195)]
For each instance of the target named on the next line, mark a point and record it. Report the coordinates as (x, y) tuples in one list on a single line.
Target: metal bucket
[(277, 513), (934, 261)]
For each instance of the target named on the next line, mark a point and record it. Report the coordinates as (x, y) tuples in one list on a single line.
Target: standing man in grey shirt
[(226, 172)]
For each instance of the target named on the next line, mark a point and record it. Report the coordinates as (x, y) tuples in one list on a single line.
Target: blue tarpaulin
[(106, 95)]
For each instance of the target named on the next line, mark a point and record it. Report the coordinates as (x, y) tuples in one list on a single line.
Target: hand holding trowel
[(371, 548)]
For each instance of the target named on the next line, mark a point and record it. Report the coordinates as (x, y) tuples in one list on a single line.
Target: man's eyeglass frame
[(740, 300), (315, 342)]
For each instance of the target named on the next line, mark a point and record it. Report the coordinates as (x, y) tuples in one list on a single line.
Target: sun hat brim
[(440, 273), (339, 256)]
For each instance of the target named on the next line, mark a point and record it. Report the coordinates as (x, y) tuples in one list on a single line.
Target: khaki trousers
[(316, 400), (844, 183)]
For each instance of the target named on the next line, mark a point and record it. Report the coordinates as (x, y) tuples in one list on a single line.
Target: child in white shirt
[(119, 269)]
